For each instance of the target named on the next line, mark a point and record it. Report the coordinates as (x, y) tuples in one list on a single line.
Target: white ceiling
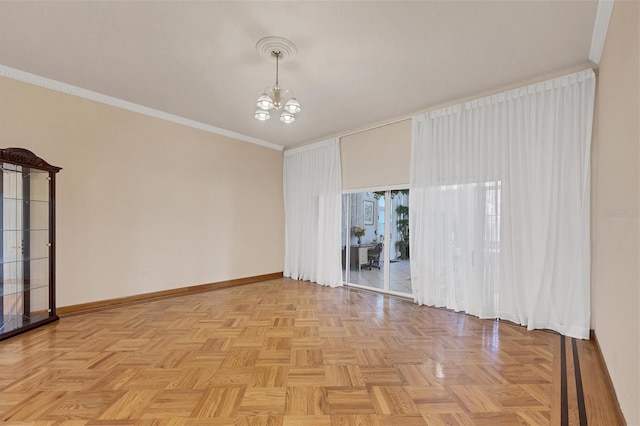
[(358, 63)]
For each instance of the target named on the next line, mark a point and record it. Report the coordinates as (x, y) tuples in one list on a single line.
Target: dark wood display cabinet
[(27, 253)]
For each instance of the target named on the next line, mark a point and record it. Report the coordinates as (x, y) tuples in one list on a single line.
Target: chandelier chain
[(277, 55)]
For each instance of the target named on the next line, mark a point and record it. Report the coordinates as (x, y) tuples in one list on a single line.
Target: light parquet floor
[(285, 352)]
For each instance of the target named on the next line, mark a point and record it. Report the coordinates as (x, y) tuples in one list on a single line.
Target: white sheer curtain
[(500, 205), (312, 204)]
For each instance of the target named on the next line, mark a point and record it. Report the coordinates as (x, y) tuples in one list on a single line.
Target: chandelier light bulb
[(292, 106), (262, 115), (287, 118), (265, 102)]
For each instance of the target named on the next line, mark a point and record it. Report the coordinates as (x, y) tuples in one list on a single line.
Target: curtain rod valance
[(558, 82)]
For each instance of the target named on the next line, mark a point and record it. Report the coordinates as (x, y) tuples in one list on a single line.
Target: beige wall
[(615, 221), (143, 204), (377, 157)]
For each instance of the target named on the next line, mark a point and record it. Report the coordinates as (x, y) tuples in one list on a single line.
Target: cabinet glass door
[(24, 281)]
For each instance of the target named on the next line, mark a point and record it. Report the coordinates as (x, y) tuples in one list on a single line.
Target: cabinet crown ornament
[(24, 156)]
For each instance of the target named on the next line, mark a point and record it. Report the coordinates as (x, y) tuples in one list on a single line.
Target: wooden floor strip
[(579, 392), (564, 399)]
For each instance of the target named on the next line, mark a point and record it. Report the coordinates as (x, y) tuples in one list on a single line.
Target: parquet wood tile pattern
[(285, 352)]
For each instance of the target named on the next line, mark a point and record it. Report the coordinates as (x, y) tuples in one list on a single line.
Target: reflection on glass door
[(375, 237)]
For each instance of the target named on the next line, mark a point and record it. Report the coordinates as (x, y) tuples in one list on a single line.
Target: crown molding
[(69, 89), (600, 27)]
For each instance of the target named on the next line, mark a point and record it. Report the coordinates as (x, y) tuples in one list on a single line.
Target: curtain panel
[(500, 205), (313, 205)]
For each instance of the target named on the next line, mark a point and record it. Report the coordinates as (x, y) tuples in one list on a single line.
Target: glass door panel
[(360, 238), (399, 258), (12, 280), (24, 283), (370, 241)]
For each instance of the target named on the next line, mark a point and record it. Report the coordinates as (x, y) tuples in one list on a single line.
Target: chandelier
[(274, 97)]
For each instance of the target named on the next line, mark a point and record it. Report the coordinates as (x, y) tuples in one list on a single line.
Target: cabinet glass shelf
[(25, 259), (24, 230), (9, 289), (27, 252)]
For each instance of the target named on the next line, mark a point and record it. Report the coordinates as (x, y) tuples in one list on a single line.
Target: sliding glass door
[(375, 240)]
